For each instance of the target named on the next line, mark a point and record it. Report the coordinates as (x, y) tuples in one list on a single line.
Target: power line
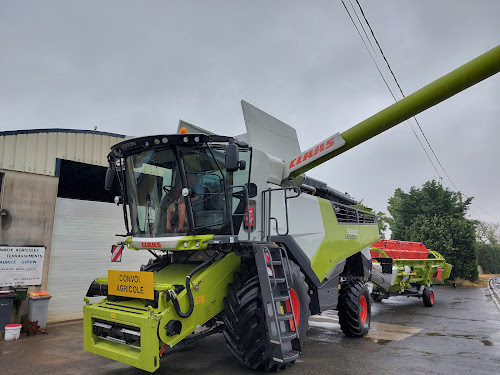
[(368, 49), (400, 90), (379, 47), (382, 75)]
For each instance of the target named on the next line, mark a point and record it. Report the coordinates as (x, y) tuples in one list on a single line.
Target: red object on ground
[(400, 249)]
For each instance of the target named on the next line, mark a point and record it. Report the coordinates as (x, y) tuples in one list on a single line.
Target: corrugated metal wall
[(81, 252), (36, 152)]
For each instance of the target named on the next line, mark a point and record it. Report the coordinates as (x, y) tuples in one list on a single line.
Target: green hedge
[(488, 256)]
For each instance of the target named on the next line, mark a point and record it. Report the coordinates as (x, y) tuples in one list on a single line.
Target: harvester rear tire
[(354, 308), (244, 319), (428, 297)]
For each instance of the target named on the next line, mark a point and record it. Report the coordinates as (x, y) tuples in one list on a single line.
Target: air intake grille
[(349, 215)]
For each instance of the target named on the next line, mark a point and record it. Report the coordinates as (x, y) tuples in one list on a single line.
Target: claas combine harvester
[(244, 243)]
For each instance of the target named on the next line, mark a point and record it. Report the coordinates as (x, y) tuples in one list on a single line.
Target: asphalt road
[(459, 335)]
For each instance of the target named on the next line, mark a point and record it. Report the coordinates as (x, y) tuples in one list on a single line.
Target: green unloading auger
[(467, 75)]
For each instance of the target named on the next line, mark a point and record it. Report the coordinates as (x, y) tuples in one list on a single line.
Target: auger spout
[(482, 67)]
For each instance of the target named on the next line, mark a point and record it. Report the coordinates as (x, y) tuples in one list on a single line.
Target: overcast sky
[(137, 67)]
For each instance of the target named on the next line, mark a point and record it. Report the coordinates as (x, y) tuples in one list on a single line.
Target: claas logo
[(311, 153), (151, 244)]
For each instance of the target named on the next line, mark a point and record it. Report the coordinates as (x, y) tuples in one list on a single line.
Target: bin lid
[(7, 294), (39, 294), (13, 325)]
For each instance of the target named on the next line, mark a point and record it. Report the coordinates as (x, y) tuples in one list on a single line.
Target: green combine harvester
[(243, 242)]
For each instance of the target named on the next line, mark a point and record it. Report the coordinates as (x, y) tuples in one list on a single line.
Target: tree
[(435, 216), (488, 256), (488, 233), (488, 250), (453, 237), (383, 222), (431, 200)]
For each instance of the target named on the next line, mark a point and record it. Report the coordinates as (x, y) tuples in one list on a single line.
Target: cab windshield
[(175, 191)]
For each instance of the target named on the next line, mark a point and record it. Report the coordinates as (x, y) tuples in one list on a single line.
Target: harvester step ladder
[(277, 305)]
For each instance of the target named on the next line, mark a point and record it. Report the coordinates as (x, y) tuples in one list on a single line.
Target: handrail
[(266, 216)]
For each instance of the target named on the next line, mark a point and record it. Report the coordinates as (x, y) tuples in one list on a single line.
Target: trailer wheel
[(354, 308), (428, 297), (244, 321)]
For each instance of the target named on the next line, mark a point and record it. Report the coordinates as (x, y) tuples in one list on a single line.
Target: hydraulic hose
[(188, 288)]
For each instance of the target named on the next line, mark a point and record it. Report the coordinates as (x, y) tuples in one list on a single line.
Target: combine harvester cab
[(181, 202), (406, 268)]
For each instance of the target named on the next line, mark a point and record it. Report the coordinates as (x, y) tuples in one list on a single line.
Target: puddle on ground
[(328, 329), (472, 337), (469, 337)]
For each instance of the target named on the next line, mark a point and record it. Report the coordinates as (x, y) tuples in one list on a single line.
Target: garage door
[(83, 234)]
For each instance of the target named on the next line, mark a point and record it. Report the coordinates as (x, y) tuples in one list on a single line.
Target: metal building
[(52, 196)]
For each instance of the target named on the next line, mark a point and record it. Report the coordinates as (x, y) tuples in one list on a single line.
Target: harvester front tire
[(354, 308), (244, 319), (428, 297)]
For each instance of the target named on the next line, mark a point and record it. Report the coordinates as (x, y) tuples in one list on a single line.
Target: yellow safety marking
[(131, 284)]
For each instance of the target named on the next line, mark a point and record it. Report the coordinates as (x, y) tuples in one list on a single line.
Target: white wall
[(81, 252)]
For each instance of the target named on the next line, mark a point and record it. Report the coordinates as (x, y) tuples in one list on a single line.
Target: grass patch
[(481, 282)]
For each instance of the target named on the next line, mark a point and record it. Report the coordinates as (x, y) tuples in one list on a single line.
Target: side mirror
[(242, 164), (252, 190), (110, 177), (232, 157)]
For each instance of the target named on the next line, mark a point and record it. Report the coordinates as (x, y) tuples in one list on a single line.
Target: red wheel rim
[(296, 308), (363, 314), (432, 298)]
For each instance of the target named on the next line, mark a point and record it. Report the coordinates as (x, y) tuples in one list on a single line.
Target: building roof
[(58, 130), (37, 150)]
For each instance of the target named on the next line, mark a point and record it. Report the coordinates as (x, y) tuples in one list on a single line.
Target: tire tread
[(244, 319)]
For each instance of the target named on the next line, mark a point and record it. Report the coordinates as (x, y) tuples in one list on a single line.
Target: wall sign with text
[(21, 265)]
